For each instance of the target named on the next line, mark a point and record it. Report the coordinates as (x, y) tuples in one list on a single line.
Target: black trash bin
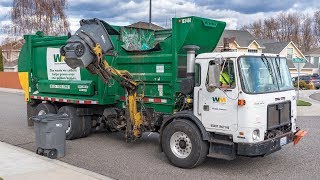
[(50, 132)]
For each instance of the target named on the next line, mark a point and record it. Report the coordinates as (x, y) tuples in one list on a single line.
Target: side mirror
[(213, 77)]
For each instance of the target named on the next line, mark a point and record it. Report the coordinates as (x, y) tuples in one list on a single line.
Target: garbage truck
[(134, 80)]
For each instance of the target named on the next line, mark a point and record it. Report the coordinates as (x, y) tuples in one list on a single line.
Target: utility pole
[(150, 15)]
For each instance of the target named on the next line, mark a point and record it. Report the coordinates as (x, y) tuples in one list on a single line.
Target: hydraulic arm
[(101, 67), (86, 49)]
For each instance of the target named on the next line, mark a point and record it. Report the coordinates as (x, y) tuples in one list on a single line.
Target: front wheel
[(183, 145)]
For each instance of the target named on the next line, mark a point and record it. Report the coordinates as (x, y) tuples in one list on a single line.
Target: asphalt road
[(315, 96), (110, 155)]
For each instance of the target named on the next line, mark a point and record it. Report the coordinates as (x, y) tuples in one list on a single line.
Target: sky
[(124, 12)]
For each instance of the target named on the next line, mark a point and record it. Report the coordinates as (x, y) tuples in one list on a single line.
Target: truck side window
[(227, 77)]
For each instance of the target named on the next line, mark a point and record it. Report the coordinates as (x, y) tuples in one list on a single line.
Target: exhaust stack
[(187, 84), (191, 57)]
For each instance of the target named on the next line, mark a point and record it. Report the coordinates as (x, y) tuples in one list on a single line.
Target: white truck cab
[(257, 108)]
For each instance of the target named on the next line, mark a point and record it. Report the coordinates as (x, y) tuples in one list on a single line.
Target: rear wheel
[(45, 108), (31, 111), (74, 130), (86, 126), (183, 145)]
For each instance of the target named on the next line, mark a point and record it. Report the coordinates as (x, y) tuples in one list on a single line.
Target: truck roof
[(232, 54)]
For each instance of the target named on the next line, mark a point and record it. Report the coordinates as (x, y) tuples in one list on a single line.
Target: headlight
[(256, 135)]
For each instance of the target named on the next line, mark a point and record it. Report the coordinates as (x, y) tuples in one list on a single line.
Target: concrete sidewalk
[(9, 90), (313, 110), (18, 163)]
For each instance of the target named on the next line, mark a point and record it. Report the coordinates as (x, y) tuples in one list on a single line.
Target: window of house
[(252, 50), (316, 62), (289, 53)]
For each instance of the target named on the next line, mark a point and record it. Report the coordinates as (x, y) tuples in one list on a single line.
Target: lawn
[(303, 103)]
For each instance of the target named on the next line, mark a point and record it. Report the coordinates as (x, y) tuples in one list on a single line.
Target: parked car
[(316, 81), (309, 80)]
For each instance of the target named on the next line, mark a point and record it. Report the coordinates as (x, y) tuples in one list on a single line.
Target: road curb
[(9, 90), (57, 162)]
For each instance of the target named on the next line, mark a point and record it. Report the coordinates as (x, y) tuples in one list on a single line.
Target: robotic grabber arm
[(86, 49)]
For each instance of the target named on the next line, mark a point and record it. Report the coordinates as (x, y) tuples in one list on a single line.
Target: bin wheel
[(74, 129), (45, 108), (39, 151), (53, 154)]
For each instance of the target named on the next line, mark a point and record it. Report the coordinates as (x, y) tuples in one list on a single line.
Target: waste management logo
[(57, 58), (219, 99), (57, 69)]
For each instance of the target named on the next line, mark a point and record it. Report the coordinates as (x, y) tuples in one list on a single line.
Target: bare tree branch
[(29, 16)]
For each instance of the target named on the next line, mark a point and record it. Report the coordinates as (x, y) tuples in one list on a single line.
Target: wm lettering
[(58, 58), (219, 99)]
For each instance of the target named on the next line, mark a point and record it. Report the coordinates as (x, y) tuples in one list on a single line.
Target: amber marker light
[(241, 102)]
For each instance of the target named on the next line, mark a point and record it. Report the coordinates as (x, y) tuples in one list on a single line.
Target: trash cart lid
[(50, 117)]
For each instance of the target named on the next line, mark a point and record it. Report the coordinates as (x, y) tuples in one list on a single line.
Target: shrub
[(302, 84), (309, 86)]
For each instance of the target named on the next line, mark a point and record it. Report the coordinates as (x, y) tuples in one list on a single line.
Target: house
[(238, 41), (243, 41), (289, 50), (10, 66), (313, 57), (10, 54)]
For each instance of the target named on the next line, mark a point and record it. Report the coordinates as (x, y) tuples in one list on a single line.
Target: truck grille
[(279, 114)]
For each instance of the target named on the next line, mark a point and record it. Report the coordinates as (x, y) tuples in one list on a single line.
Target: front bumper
[(264, 147)]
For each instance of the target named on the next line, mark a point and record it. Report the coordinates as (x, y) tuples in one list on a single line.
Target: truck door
[(219, 107)]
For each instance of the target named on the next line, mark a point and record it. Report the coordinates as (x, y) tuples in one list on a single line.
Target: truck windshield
[(261, 74)]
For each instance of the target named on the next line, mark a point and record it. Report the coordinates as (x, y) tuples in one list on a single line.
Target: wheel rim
[(180, 144), (42, 112)]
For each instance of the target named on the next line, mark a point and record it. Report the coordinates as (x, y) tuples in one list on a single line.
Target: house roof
[(314, 51), (145, 25), (265, 41), (306, 66), (275, 47), (243, 37)]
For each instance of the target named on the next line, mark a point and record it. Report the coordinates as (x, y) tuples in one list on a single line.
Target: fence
[(9, 80)]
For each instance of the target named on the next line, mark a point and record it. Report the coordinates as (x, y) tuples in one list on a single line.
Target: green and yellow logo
[(58, 58), (219, 99)]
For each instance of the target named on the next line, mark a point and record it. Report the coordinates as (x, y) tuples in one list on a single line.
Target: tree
[(316, 19), (301, 29), (1, 61), (29, 16), (271, 28), (307, 38)]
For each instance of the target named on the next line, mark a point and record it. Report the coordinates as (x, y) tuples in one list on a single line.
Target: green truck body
[(154, 57)]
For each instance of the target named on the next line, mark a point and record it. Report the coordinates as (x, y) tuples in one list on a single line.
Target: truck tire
[(86, 126), (183, 145), (31, 111), (75, 125), (45, 108)]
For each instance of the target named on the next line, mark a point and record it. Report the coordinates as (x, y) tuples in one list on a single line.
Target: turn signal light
[(241, 102)]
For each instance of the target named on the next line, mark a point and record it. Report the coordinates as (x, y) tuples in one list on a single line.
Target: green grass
[(303, 103)]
